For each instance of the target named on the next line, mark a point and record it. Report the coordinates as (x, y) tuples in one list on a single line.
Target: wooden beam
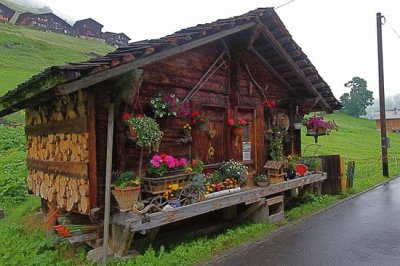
[(138, 223), (71, 169), (84, 82), (77, 125), (91, 126), (107, 200), (271, 69), (278, 47)]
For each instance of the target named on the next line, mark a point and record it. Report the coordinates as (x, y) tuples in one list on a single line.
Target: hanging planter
[(199, 120), (237, 131), (297, 121)]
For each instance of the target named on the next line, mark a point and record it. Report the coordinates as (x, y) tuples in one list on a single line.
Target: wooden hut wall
[(58, 152), (178, 75)]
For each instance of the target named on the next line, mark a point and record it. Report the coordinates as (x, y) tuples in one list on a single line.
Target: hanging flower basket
[(126, 197)]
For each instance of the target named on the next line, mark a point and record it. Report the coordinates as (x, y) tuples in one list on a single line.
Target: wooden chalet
[(392, 120), (6, 13), (46, 22), (229, 67), (116, 39), (88, 28)]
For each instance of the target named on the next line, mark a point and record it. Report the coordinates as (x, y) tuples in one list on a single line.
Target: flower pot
[(311, 131), (322, 130), (203, 127), (126, 197), (262, 183), (297, 125), (174, 203), (132, 131), (237, 131)]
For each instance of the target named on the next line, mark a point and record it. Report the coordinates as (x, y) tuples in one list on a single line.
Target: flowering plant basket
[(163, 163), (238, 123), (148, 133), (317, 125), (168, 105), (126, 189), (199, 120)]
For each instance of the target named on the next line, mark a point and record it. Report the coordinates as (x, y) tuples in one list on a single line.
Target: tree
[(355, 102)]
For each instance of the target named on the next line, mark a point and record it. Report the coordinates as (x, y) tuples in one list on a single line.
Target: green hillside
[(25, 52), (357, 140), (21, 8)]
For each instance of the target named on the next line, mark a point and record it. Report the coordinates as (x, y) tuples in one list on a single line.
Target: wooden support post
[(110, 135), (261, 214), (125, 242), (229, 213)]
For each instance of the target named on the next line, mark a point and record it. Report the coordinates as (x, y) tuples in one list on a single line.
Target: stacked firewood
[(70, 193), (57, 154), (70, 147), (67, 107)]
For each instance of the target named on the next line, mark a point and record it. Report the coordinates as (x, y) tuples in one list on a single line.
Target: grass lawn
[(25, 52)]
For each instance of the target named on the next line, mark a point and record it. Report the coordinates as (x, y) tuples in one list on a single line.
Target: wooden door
[(211, 145)]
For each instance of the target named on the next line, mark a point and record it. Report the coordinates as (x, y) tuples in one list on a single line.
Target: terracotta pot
[(132, 131), (237, 131)]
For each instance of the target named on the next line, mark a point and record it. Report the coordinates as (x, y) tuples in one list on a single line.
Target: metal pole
[(385, 166), (106, 224)]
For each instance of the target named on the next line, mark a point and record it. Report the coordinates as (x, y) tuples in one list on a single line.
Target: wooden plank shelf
[(148, 221), (77, 125)]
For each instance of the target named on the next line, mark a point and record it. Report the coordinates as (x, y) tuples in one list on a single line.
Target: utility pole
[(385, 166)]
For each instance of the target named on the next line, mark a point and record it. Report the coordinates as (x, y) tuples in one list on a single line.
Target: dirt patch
[(33, 221)]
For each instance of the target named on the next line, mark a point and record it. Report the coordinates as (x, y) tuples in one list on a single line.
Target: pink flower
[(170, 161), (231, 121), (155, 161), (182, 162)]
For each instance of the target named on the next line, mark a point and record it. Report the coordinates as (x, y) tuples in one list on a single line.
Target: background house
[(392, 120), (88, 28), (116, 39), (6, 13), (46, 21)]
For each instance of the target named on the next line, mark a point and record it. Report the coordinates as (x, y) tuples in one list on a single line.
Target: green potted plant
[(148, 133), (261, 180), (126, 189), (237, 125), (236, 170)]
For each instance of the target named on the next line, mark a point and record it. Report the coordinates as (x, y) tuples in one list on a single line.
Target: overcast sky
[(339, 36)]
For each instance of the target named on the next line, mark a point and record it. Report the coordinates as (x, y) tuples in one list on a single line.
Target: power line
[(393, 29), (284, 4)]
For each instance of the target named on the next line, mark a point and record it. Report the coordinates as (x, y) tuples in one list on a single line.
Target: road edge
[(264, 238)]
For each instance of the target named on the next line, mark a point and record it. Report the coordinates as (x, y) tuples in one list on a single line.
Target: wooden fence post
[(351, 167)]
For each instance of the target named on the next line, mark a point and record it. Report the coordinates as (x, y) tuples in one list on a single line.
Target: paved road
[(362, 231)]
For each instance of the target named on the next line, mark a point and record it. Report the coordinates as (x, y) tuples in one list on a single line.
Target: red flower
[(125, 116), (194, 121), (271, 104), (201, 120), (231, 121), (163, 155), (264, 103), (194, 162)]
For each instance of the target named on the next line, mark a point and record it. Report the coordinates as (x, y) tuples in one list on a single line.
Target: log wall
[(57, 152), (178, 75)]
